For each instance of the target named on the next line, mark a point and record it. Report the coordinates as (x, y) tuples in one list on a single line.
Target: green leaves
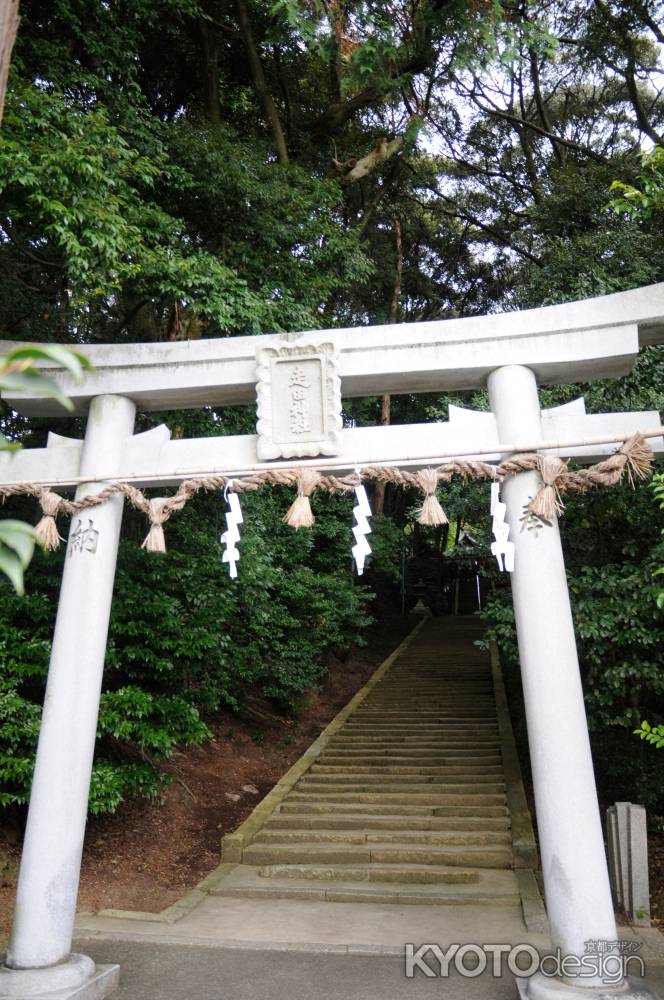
[(185, 640), (112, 783), (150, 722), (651, 734), (18, 374), (167, 215), (17, 543), (73, 361), (646, 197), (75, 177)]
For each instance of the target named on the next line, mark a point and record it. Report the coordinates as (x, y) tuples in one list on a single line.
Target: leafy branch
[(18, 373), (647, 196), (651, 734)]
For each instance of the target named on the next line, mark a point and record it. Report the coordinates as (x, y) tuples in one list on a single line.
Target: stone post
[(576, 881), (38, 958)]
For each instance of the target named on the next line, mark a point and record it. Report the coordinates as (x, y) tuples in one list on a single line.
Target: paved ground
[(162, 972), (309, 925), (169, 972)]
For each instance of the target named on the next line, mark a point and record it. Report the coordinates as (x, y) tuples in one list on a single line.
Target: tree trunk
[(386, 402), (211, 57), (258, 76), (8, 29)]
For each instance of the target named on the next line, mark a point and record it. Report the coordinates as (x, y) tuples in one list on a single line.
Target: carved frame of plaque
[(286, 427)]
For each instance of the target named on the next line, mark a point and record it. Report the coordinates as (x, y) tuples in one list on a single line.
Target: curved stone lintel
[(578, 341)]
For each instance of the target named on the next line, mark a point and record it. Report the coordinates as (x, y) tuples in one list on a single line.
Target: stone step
[(431, 798), (401, 707), (392, 784), (416, 738), (381, 750), (458, 713), (436, 749), (445, 795), (459, 725), (435, 758), (370, 821), (312, 807), (390, 734), (438, 719), (270, 835), (424, 714), (484, 754), (393, 853), (409, 874), (412, 685), (387, 767), (425, 698), (408, 744), (429, 681), (481, 727), (413, 695), (493, 887), (386, 770), (406, 802), (439, 693)]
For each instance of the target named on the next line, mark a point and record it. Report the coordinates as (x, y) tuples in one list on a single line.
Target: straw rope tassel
[(430, 512), (547, 503), (158, 512), (47, 530), (639, 457), (300, 514)]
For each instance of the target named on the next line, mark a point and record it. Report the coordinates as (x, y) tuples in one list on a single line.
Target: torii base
[(539, 987), (76, 979)]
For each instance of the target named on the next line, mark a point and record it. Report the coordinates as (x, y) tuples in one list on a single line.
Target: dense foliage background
[(174, 169)]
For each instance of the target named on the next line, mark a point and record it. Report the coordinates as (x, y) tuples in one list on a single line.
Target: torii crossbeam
[(511, 353)]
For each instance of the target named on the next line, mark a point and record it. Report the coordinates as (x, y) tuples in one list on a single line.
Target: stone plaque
[(299, 401)]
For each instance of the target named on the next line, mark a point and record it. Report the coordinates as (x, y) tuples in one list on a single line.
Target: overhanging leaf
[(34, 382), (11, 566), (20, 538), (65, 357)]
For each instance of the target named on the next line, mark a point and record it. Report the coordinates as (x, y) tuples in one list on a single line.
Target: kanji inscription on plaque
[(299, 401)]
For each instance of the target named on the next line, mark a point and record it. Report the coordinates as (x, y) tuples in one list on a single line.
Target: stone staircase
[(406, 800)]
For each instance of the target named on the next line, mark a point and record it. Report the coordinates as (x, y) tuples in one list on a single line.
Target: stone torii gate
[(511, 353)]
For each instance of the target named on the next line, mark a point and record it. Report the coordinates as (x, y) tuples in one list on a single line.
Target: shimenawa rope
[(634, 459)]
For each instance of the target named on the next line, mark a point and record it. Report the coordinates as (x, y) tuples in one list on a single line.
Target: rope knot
[(638, 458), (47, 530), (548, 504), (158, 513), (300, 514), (430, 512)]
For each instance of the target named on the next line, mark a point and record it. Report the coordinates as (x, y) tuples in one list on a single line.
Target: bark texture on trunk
[(258, 76), (8, 29)]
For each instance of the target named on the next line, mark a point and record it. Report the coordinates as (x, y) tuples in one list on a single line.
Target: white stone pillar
[(51, 859), (576, 881)]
